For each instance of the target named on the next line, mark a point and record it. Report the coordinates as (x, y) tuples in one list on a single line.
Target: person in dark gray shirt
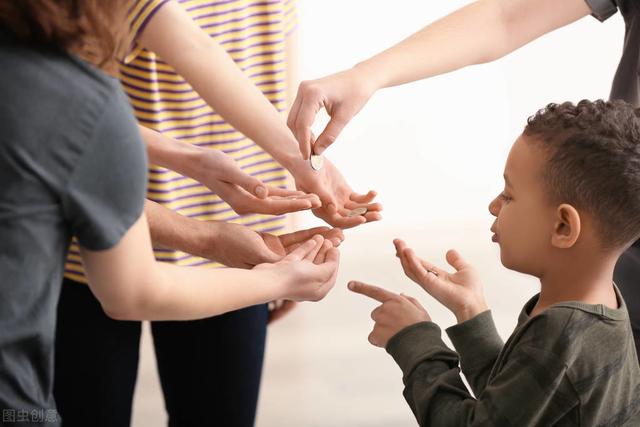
[(480, 32), (72, 163)]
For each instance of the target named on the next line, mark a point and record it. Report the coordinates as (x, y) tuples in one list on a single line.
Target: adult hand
[(246, 194), (238, 246), (308, 272), (342, 95), (396, 312), (461, 292), (338, 198)]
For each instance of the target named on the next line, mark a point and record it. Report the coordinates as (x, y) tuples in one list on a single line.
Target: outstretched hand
[(308, 272), (246, 194), (338, 198), (461, 292)]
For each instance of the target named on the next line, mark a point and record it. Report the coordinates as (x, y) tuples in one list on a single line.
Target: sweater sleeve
[(530, 389)]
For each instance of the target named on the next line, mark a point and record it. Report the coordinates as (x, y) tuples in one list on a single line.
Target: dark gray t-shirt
[(71, 163), (626, 83)]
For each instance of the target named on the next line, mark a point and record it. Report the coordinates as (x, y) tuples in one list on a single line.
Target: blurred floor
[(320, 370)]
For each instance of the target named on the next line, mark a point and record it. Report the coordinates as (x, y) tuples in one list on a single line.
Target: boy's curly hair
[(593, 163)]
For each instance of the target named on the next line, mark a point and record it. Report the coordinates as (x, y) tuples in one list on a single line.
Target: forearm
[(238, 100), (478, 344), (209, 69), (187, 293), (477, 33), (169, 229), (186, 159)]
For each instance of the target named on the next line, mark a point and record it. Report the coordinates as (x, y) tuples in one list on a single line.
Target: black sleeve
[(602, 9), (105, 194)]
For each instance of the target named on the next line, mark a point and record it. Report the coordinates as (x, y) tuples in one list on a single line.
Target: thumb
[(234, 175), (330, 133), (456, 261)]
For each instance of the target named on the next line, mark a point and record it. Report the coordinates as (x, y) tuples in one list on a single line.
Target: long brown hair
[(93, 29)]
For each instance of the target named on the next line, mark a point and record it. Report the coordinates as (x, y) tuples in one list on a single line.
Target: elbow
[(123, 312)]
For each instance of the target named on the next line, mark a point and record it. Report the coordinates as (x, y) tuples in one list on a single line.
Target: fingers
[(330, 132), (301, 251), (292, 120), (335, 235), (234, 175), (307, 106), (311, 255), (363, 198), (322, 253), (301, 235), (340, 220), (413, 301), (456, 261), (377, 293)]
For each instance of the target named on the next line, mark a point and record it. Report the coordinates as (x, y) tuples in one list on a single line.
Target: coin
[(316, 162), (357, 211)]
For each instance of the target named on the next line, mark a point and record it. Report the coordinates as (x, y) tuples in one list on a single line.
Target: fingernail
[(351, 285), (261, 192)]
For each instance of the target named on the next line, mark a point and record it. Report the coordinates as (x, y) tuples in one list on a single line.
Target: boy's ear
[(567, 227)]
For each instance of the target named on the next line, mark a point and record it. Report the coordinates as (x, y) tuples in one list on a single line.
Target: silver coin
[(316, 162), (357, 211)]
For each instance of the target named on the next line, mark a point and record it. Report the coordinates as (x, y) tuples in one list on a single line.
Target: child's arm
[(220, 173), (476, 340), (531, 389), (461, 292), (480, 32), (209, 69), (131, 284)]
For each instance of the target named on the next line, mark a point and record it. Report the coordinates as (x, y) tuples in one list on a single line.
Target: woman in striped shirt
[(193, 75)]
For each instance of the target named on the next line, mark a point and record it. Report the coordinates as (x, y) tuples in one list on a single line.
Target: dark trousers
[(209, 369)]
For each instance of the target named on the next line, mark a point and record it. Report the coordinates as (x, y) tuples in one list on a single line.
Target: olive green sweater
[(574, 364)]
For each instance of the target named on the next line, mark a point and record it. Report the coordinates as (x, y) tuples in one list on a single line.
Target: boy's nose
[(494, 206)]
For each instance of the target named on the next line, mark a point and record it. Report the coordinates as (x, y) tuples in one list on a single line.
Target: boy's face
[(524, 217)]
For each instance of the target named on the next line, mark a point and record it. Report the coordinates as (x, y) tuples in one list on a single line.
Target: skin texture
[(551, 240), (131, 285), (180, 42), (480, 32)]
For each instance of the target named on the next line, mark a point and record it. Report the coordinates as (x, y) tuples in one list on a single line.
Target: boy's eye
[(505, 197)]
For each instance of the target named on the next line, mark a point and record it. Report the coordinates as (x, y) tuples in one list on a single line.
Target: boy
[(569, 209)]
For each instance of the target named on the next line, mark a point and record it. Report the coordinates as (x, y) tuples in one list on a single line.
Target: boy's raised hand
[(461, 292), (396, 312)]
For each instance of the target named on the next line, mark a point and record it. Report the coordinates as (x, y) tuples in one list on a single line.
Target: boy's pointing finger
[(374, 292)]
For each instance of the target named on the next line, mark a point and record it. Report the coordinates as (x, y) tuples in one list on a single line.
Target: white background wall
[(435, 149)]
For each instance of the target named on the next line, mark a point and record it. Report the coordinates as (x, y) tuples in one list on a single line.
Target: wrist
[(470, 311), (369, 76)]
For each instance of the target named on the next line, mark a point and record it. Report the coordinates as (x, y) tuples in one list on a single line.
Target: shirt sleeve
[(531, 389), (106, 191), (602, 9), (478, 344), (138, 16)]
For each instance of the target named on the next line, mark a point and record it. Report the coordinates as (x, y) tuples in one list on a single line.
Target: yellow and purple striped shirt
[(254, 34)]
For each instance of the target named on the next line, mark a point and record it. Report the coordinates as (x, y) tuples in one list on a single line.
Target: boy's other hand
[(461, 292), (396, 312)]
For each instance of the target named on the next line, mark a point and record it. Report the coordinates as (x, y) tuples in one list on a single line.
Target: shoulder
[(571, 333)]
